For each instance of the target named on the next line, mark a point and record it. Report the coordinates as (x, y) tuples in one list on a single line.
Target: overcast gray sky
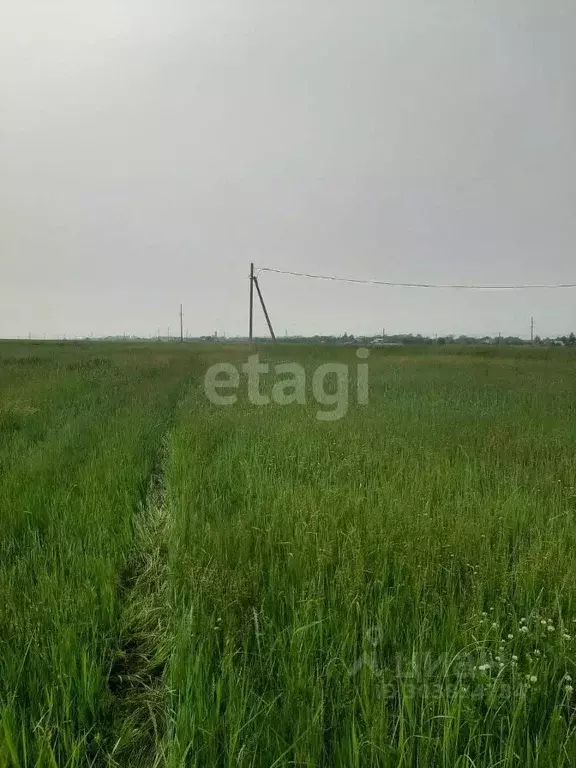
[(149, 150)]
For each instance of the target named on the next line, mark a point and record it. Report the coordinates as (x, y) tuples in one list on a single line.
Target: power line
[(416, 285)]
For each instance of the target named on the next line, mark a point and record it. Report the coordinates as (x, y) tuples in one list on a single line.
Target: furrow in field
[(137, 680)]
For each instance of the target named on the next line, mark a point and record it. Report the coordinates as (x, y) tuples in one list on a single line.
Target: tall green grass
[(189, 585), (79, 435), (395, 588)]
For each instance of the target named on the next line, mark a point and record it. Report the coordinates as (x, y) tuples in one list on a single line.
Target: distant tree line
[(399, 339), (420, 340)]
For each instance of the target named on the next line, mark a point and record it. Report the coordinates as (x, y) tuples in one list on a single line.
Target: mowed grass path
[(394, 588)]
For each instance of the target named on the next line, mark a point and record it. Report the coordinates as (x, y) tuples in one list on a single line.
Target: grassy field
[(187, 584)]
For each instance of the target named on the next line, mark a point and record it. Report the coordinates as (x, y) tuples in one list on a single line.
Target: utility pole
[(532, 331), (181, 323), (250, 333), (254, 282)]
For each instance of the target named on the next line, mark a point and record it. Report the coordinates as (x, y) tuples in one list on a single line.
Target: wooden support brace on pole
[(255, 281), (250, 331)]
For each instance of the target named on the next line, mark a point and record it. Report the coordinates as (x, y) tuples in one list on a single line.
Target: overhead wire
[(393, 284)]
